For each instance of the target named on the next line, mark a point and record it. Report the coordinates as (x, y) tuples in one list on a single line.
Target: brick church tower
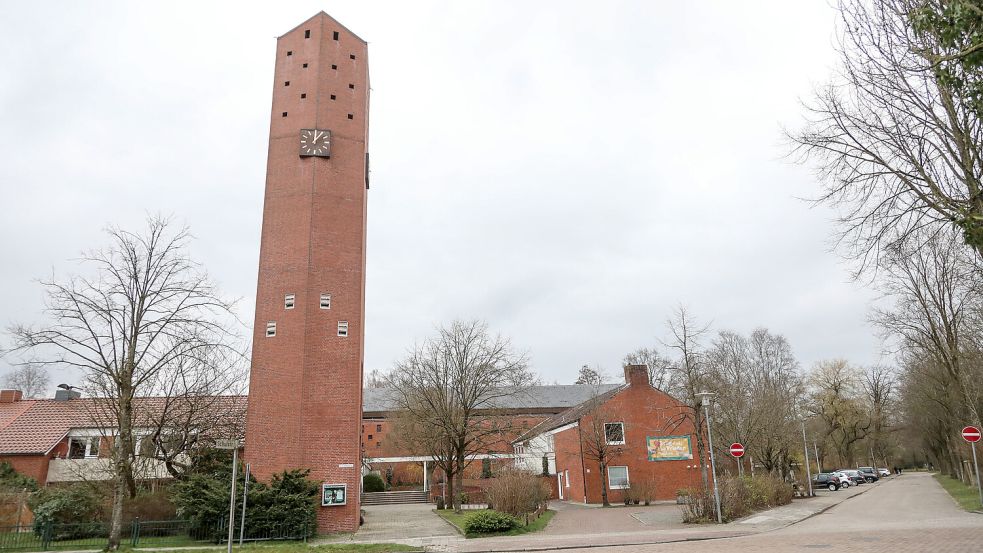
[(305, 387)]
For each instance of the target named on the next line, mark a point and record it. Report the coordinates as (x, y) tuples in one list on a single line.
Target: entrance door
[(559, 483)]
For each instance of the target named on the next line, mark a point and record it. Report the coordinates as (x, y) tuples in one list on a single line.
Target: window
[(290, 52), (378, 428), (335, 35), (566, 477), (351, 116), (307, 33), (286, 83), (333, 96), (303, 95), (325, 301), (352, 56), (271, 329), (614, 432), (370, 436), (83, 448), (284, 114), (618, 478), (333, 66), (288, 301), (305, 66), (378, 444), (351, 86), (342, 328)]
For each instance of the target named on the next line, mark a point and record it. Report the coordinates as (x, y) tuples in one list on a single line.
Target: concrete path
[(406, 524)]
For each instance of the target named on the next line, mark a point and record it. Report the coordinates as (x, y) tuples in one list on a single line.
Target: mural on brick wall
[(668, 448)]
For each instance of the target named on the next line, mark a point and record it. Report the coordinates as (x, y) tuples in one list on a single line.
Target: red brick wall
[(35, 466), (645, 412), (305, 402)]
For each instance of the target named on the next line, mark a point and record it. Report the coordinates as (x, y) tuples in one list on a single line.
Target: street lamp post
[(805, 453), (705, 399), (234, 446)]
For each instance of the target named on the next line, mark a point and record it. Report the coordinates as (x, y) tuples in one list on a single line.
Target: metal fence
[(139, 533)]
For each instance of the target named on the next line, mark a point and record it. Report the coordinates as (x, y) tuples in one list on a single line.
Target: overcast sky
[(567, 171)]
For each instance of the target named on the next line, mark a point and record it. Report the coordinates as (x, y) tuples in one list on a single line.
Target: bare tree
[(661, 369), (33, 380), (450, 388), (591, 376), (899, 149), (375, 379), (836, 399), (145, 309), (601, 442)]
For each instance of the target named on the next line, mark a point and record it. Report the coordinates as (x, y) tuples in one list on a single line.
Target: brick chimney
[(10, 396), (637, 375)]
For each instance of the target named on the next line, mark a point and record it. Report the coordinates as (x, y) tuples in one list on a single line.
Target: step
[(394, 498)]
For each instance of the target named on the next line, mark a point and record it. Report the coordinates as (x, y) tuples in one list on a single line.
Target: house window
[(271, 329), (342, 328), (288, 301), (335, 35), (334, 66), (307, 33), (618, 478), (83, 448), (378, 428), (370, 436), (566, 477), (325, 301), (614, 433), (305, 66)]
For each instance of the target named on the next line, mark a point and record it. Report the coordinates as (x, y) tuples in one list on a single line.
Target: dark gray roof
[(555, 397), (572, 415)]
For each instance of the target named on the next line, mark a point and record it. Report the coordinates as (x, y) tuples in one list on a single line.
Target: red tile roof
[(35, 427)]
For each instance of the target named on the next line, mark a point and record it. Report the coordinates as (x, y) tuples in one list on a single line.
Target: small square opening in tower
[(271, 329), (333, 97), (351, 86), (303, 95), (286, 83), (351, 116), (305, 66), (335, 36), (284, 114), (307, 33), (343, 328), (333, 66), (290, 52), (352, 56)]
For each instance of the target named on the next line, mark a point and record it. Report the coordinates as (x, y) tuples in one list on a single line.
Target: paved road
[(911, 514)]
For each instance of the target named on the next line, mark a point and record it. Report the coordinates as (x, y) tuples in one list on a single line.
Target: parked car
[(844, 479), (855, 476), (870, 473), (883, 472), (826, 480)]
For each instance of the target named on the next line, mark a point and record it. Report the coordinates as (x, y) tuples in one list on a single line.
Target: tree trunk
[(449, 488), (459, 475), (604, 485), (116, 523), (700, 450)]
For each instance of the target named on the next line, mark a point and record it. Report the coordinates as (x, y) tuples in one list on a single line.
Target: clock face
[(315, 142)]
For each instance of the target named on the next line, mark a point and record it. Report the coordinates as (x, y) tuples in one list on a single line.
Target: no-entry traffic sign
[(737, 450), (971, 434)]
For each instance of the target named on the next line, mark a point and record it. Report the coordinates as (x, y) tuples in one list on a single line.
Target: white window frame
[(88, 446), (566, 476), (627, 483), (343, 329), (622, 442), (270, 329), (289, 301), (325, 301)]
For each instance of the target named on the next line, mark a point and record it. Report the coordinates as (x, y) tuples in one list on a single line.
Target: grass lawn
[(967, 497), (458, 521)]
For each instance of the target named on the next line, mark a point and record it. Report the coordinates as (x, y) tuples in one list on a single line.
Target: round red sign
[(971, 434), (737, 450)]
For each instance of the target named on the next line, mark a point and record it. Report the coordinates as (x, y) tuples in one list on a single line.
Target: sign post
[(972, 435), (737, 451)]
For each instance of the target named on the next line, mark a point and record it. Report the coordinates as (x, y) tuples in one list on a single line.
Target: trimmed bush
[(13, 481), (739, 497), (372, 482), (79, 507), (488, 522)]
